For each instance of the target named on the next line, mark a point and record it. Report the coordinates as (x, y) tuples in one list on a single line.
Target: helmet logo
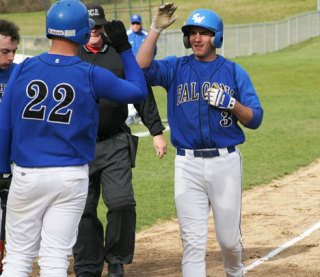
[(55, 32), (197, 18), (63, 33)]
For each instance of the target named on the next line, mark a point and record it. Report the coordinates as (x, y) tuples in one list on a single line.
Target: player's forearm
[(146, 51), (249, 117), (133, 73)]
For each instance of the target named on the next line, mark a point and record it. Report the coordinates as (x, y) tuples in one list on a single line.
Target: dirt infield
[(272, 215)]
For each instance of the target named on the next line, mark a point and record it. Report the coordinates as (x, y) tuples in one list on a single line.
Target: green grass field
[(287, 83)]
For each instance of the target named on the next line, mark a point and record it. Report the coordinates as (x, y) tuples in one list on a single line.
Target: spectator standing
[(111, 172)]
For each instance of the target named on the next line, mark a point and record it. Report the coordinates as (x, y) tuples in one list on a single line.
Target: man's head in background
[(9, 40), (96, 12), (136, 23)]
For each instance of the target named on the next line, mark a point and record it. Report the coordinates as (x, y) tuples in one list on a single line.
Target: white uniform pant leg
[(60, 223), (193, 209), (224, 177), (35, 197)]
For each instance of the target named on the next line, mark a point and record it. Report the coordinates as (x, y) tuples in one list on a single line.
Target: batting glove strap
[(218, 98)]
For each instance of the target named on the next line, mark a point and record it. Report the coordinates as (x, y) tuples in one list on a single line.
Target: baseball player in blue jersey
[(49, 119), (9, 40), (208, 96)]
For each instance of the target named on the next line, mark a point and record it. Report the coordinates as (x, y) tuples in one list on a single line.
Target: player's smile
[(200, 41)]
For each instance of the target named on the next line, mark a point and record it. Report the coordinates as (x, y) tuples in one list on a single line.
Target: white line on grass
[(282, 247), (146, 133)]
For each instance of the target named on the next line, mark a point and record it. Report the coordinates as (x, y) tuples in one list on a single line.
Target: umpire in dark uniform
[(110, 173)]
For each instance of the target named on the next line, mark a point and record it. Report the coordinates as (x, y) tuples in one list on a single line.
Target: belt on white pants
[(205, 153)]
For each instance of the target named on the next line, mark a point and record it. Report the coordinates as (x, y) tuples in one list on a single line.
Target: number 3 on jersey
[(37, 91), (226, 120)]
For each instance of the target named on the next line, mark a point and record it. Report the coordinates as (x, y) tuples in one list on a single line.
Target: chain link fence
[(249, 39), (239, 40)]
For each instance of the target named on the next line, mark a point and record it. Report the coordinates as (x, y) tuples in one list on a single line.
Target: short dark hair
[(9, 29)]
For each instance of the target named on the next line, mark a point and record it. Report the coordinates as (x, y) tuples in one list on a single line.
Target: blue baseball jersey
[(4, 77), (49, 112), (136, 39), (195, 124)]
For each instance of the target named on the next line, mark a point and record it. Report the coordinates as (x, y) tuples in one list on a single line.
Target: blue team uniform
[(4, 77), (193, 123), (48, 124), (136, 39)]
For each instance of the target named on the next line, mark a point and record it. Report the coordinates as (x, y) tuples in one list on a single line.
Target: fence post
[(288, 32), (251, 40)]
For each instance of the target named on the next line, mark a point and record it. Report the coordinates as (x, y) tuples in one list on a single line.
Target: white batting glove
[(217, 97), (163, 17)]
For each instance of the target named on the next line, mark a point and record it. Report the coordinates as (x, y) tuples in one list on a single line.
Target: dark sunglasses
[(97, 26), (135, 23)]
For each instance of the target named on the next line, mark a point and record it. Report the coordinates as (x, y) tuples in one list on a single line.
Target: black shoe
[(115, 270)]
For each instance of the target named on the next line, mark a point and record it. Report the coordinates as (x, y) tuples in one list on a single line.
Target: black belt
[(205, 153)]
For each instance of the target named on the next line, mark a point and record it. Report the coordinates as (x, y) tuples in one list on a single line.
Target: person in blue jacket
[(208, 98), (137, 34), (48, 124)]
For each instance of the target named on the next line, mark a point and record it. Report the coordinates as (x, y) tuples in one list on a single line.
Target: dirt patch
[(272, 215)]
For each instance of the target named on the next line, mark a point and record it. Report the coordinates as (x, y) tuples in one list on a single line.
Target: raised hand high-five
[(163, 17)]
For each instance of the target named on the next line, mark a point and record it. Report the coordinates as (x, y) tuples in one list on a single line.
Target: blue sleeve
[(248, 97), (256, 119), (161, 72), (131, 90)]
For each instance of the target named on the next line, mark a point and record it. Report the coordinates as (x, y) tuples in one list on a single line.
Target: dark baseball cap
[(96, 13)]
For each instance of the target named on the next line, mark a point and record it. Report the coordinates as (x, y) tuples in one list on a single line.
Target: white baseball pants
[(43, 212), (202, 184)]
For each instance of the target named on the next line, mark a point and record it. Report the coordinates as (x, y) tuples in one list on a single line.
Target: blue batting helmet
[(206, 19), (69, 19), (135, 18)]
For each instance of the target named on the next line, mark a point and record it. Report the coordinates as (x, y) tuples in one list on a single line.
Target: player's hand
[(117, 35), (217, 97), (163, 17), (160, 145), (5, 181)]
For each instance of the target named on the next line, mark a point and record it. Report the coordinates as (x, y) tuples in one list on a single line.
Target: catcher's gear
[(217, 97), (69, 19), (163, 17), (117, 35), (5, 181), (206, 19)]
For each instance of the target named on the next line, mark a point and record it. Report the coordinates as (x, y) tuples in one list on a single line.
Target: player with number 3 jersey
[(48, 125), (207, 97)]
